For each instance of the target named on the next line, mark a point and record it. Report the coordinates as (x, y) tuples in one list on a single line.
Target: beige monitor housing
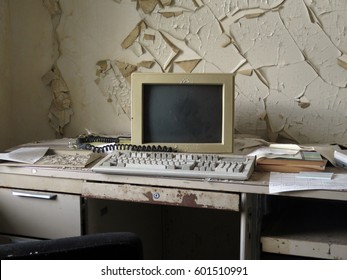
[(173, 82)]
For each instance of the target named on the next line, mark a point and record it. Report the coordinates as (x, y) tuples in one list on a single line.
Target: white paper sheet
[(25, 155), (285, 182), (276, 153)]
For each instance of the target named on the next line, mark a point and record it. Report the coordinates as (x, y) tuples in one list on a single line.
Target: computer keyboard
[(205, 166)]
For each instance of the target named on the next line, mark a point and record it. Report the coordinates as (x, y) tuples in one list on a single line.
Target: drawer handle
[(35, 195)]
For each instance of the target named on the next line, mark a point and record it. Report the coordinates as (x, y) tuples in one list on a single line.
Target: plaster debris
[(265, 41), (313, 42), (303, 102), (60, 110), (54, 9), (171, 14), (166, 2), (113, 85), (126, 69), (162, 50), (146, 64), (342, 61), (312, 15), (332, 15), (251, 13), (133, 35), (261, 77), (188, 65), (207, 38), (250, 96), (171, 20), (289, 56), (198, 3), (287, 84), (137, 49), (52, 6), (324, 121), (147, 6), (246, 70)]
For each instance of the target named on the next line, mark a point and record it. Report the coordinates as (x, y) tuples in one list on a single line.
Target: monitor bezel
[(138, 80)]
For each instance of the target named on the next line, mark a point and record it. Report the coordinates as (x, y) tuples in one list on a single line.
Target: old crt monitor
[(188, 112)]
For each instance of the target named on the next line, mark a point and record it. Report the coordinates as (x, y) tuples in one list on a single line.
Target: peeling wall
[(288, 56)]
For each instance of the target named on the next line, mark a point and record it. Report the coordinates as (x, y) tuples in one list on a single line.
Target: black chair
[(101, 246)]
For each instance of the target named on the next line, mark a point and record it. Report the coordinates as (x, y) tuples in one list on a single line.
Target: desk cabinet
[(306, 224), (38, 214), (301, 227)]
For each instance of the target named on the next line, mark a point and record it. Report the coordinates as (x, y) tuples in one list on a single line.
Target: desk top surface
[(71, 180)]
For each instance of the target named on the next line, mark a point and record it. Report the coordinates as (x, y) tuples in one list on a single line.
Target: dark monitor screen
[(182, 113), (189, 112)]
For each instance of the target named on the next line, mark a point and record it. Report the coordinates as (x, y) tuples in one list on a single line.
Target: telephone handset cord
[(84, 142)]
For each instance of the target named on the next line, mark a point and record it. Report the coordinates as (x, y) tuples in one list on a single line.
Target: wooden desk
[(242, 196)]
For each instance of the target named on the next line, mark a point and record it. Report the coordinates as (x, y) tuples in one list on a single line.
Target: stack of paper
[(285, 182)]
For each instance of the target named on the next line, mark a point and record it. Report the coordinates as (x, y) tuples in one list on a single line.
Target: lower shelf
[(314, 249), (307, 228)]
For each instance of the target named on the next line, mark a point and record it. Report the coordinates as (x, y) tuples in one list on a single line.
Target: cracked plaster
[(284, 54)]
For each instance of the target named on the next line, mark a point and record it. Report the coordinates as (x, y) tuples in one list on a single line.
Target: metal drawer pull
[(35, 195)]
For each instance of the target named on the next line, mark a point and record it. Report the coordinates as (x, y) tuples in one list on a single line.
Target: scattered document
[(285, 182), (278, 150), (341, 158), (270, 152), (25, 155)]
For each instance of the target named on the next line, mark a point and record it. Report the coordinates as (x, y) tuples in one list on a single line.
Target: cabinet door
[(39, 214)]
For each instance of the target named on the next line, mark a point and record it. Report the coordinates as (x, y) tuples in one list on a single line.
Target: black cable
[(83, 142)]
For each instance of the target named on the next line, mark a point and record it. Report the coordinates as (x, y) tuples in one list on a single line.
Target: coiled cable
[(84, 142)]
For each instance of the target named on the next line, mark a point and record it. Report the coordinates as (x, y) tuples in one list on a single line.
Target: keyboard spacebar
[(145, 166)]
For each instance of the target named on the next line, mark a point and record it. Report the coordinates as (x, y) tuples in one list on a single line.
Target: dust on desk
[(67, 158)]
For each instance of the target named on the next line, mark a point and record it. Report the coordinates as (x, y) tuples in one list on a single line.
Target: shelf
[(302, 227)]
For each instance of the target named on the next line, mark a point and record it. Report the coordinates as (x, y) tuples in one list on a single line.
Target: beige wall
[(295, 87), (31, 58), (5, 84), (25, 55)]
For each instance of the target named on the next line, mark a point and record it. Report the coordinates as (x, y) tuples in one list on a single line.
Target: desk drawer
[(163, 196), (39, 214)]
